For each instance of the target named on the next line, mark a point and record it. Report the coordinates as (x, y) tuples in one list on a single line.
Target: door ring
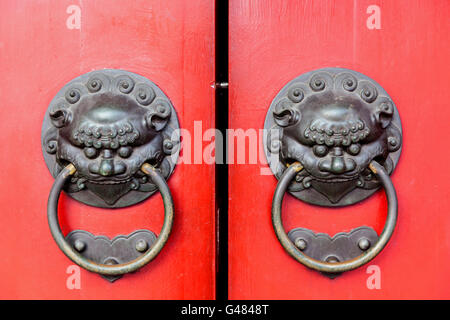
[(337, 267), (118, 269)]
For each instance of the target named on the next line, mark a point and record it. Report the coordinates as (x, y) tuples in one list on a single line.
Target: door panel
[(271, 43), (45, 44)]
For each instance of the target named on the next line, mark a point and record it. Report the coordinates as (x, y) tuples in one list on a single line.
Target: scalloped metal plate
[(342, 246), (103, 250)]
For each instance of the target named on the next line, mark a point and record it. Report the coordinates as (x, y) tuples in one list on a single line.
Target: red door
[(403, 46), (44, 45)]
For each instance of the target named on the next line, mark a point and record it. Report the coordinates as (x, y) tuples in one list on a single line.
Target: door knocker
[(334, 137), (109, 139)]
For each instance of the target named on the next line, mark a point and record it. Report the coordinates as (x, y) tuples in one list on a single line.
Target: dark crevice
[(221, 53)]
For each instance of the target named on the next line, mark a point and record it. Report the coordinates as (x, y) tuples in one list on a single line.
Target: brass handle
[(337, 267), (118, 269)]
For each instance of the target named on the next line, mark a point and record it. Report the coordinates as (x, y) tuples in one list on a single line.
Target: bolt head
[(301, 243), (275, 144), (364, 244), (168, 145), (110, 261), (332, 259), (392, 141), (161, 108), (141, 245), (79, 245)]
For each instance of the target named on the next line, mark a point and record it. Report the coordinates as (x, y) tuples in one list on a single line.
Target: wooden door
[(403, 46), (45, 44)]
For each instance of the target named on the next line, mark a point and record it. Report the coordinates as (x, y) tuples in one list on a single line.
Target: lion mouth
[(334, 179), (109, 181)]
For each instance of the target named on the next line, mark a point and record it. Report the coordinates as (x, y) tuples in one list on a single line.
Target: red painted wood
[(271, 42), (171, 43)]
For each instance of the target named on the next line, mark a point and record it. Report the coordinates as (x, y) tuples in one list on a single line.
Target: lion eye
[(354, 149), (125, 152), (320, 150), (90, 152)]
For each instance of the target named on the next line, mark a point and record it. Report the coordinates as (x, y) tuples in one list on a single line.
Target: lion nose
[(338, 163), (107, 166)]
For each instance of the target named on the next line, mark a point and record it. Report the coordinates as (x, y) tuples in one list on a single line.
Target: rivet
[(392, 141), (275, 144), (300, 243), (161, 109), (168, 145), (142, 95), (79, 245), (110, 261), (364, 244), (141, 245), (332, 259)]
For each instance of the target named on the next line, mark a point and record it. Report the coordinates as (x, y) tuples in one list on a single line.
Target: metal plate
[(339, 248), (327, 111), (103, 250), (116, 110)]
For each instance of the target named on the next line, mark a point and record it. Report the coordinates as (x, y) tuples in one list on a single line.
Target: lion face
[(334, 126), (108, 124), (334, 141), (106, 137)]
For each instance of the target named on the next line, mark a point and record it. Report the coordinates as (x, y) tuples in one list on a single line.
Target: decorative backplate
[(121, 249), (341, 247), (107, 123), (334, 122)]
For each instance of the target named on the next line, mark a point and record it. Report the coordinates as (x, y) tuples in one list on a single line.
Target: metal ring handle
[(337, 267), (118, 269)]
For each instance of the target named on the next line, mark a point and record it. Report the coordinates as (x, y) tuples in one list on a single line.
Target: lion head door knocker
[(109, 138), (334, 137)]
